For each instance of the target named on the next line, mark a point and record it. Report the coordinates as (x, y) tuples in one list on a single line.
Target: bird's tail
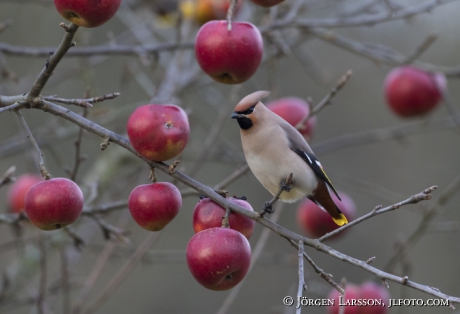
[(341, 220)]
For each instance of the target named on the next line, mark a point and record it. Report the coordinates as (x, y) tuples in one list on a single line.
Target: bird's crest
[(250, 100)]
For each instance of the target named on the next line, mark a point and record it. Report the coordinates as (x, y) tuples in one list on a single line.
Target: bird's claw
[(286, 186), (268, 209)]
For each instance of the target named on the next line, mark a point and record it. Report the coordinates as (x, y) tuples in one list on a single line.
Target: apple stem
[(225, 223), (230, 12), (152, 175)]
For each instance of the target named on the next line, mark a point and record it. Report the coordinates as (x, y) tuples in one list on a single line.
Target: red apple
[(370, 291), (54, 203), (158, 132), (208, 214), (218, 258), (229, 57), (154, 205), (351, 293), (293, 110), (410, 91), (87, 13), (267, 3), (317, 222), (17, 191)]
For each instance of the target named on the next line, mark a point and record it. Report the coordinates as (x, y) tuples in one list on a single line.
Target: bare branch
[(52, 62), (414, 199)]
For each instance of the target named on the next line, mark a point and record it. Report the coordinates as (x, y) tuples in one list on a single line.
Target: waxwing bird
[(274, 149)]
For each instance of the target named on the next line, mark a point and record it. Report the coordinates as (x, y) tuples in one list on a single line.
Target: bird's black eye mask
[(248, 111)]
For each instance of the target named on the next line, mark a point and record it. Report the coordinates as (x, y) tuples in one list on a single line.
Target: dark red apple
[(410, 91), (154, 205), (267, 3), (17, 191), (87, 13), (208, 214), (158, 132), (229, 57), (352, 292), (317, 222), (293, 110), (54, 203), (218, 258), (370, 291)]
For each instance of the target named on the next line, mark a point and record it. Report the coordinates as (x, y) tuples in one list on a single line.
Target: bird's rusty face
[(245, 118)]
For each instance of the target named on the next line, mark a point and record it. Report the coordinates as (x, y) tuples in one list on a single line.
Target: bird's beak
[(236, 115)]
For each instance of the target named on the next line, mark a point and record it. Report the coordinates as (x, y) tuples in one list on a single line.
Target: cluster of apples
[(50, 204), (219, 257), (368, 292), (412, 92), (157, 133)]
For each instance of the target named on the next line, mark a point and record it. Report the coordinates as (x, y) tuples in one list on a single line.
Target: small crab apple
[(294, 110), (218, 258), (229, 57), (410, 91), (370, 291), (352, 292), (208, 214), (317, 222), (17, 191), (158, 132), (154, 205), (54, 203), (87, 13), (267, 3)]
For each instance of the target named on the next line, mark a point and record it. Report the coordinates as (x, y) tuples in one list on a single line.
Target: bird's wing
[(314, 163), (301, 148)]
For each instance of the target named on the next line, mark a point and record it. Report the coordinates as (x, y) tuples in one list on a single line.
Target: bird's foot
[(267, 209), (286, 186)]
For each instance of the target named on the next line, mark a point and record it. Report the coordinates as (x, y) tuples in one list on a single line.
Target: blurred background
[(369, 153)]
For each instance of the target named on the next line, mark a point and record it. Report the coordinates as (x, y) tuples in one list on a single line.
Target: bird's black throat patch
[(245, 123)]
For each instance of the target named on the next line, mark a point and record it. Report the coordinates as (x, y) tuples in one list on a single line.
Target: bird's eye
[(249, 111)]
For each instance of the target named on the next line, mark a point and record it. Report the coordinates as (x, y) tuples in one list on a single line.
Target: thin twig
[(414, 199), (53, 61), (327, 277), (77, 143), (41, 163), (326, 100), (301, 285), (107, 292), (85, 103), (424, 224), (8, 176), (421, 48), (65, 280), (96, 271), (43, 275)]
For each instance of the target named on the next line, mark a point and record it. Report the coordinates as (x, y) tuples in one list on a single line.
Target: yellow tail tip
[(340, 221)]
